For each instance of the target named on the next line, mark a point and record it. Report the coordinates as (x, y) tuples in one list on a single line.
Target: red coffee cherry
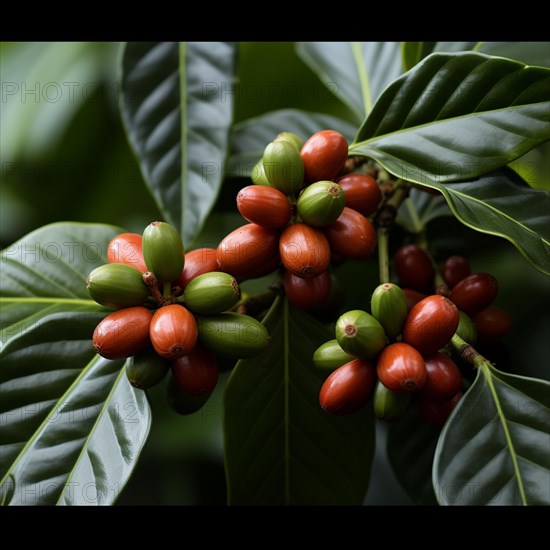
[(443, 379), (413, 297), (173, 331), (196, 372), (492, 323), (123, 333), (351, 236), (265, 206), (247, 250), (126, 248), (362, 192), (307, 293), (436, 413), (413, 267), (475, 293), (197, 262), (263, 270), (431, 324), (348, 388), (324, 155), (454, 269), (401, 368), (304, 250)]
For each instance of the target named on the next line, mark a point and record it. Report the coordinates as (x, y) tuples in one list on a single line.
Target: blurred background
[(64, 156)]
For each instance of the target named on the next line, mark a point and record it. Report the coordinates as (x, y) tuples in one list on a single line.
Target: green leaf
[(494, 447), (250, 137), (411, 446), (449, 47), (413, 52), (280, 447), (44, 84), (534, 167), (457, 116), (177, 106), (499, 205), (355, 72), (530, 53), (419, 209), (71, 427)]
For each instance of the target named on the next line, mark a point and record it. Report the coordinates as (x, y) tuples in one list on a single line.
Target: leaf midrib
[(46, 420), (183, 132), (380, 137), (92, 431), (510, 444), (53, 300), (363, 76)]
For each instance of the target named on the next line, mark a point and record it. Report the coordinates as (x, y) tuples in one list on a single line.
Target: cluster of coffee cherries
[(399, 354), (473, 293), (302, 213), (172, 315), (392, 354)]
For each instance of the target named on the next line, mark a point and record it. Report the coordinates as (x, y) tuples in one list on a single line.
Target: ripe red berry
[(443, 379), (431, 324), (248, 250), (348, 388), (351, 236), (304, 250), (401, 368), (475, 293), (307, 293), (324, 155), (196, 372), (362, 192), (173, 331), (492, 323), (126, 248), (197, 262), (454, 269), (123, 333), (413, 267), (265, 206)]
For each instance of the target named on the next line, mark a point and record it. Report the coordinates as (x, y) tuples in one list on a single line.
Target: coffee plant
[(315, 266)]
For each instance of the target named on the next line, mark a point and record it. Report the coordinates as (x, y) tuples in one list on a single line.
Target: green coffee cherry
[(283, 166), (321, 203), (163, 251), (466, 328), (182, 402), (146, 369), (389, 405), (117, 286), (290, 137), (233, 335), (389, 307), (360, 334), (258, 174), (211, 293), (329, 356)]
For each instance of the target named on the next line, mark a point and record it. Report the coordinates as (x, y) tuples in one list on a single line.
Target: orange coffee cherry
[(401, 368), (173, 331), (304, 250)]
